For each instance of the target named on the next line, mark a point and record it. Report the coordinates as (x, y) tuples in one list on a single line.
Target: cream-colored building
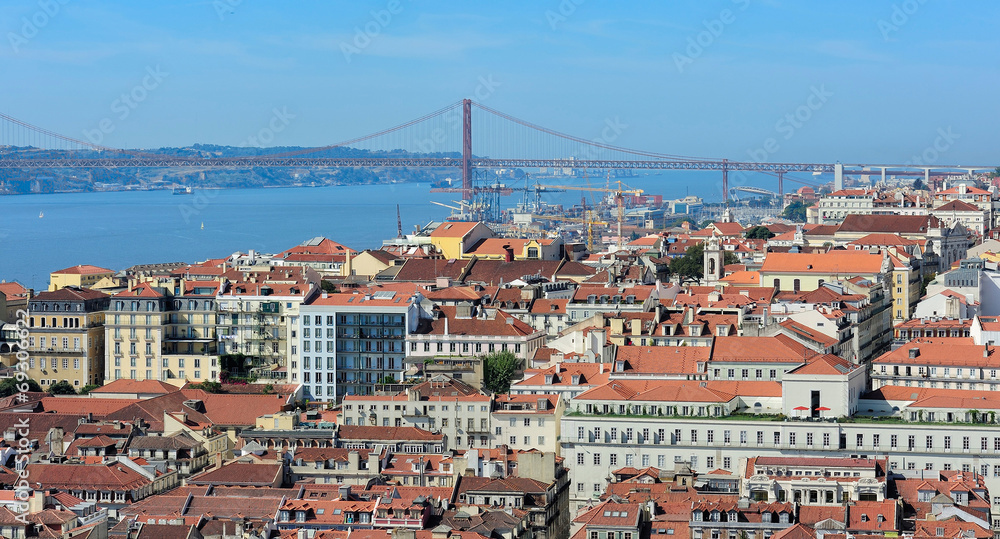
[(798, 272), (82, 276), (527, 422), (154, 335), (66, 336)]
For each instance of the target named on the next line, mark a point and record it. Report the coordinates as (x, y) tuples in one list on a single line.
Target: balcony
[(389, 522)]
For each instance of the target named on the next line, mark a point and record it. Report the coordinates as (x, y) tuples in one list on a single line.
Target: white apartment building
[(348, 343)]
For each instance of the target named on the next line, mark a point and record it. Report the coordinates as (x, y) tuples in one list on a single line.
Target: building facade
[(66, 339)]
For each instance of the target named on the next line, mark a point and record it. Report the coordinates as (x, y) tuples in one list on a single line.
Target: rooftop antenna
[(399, 224)]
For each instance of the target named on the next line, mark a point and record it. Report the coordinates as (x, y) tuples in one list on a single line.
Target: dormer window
[(576, 379)]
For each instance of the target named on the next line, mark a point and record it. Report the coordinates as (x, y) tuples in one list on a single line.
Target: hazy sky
[(827, 81)]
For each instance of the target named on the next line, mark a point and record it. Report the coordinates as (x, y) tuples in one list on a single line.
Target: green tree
[(498, 370), (924, 282), (62, 388), (918, 184), (10, 386), (327, 286), (209, 386), (691, 265), (796, 211), (268, 389), (88, 388), (758, 233)]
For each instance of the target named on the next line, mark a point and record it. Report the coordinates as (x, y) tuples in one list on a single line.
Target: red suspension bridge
[(441, 139)]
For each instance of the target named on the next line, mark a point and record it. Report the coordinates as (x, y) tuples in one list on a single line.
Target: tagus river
[(43, 233)]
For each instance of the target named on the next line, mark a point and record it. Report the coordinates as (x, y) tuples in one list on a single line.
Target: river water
[(43, 233)]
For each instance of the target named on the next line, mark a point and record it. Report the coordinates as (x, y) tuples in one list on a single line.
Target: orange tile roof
[(502, 323), (127, 385), (83, 269), (610, 514), (663, 359), (846, 262), (495, 246), (826, 365), (656, 391), (13, 289), (944, 351), (548, 306), (454, 229), (777, 349), (883, 239)]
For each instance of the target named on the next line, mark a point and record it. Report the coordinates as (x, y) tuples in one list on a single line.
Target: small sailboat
[(41, 214), (203, 225)]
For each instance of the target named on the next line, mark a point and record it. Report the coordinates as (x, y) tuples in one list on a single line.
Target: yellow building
[(82, 276), (905, 286), (802, 272), (370, 263), (155, 336), (453, 239), (66, 336), (515, 249)]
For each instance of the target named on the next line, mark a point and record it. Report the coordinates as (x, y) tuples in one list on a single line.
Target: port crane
[(619, 198), (589, 221)]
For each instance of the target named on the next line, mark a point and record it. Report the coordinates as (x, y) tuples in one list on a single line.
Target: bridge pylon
[(467, 149)]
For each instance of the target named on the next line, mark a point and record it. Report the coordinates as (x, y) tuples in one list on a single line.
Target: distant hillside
[(115, 179)]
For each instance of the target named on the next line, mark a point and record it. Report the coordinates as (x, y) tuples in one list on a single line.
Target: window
[(826, 439), (597, 459), (929, 442)]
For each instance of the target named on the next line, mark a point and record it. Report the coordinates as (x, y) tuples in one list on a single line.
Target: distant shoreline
[(210, 188)]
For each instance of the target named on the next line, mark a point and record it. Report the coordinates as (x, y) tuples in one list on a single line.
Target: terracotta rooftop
[(83, 269)]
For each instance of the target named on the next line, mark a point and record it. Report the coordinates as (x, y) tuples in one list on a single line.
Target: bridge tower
[(466, 149), (781, 188), (725, 183)]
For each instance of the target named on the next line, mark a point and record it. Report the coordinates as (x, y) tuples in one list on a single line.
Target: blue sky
[(876, 81)]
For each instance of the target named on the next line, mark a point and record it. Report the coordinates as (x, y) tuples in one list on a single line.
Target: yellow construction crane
[(590, 225), (619, 196)]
